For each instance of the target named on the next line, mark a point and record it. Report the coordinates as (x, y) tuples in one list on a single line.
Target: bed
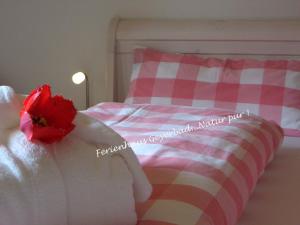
[(275, 200)]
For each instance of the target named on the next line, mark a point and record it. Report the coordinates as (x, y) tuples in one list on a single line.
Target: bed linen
[(200, 176), (276, 198)]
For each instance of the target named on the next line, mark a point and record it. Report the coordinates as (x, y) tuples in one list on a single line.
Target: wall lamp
[(79, 78)]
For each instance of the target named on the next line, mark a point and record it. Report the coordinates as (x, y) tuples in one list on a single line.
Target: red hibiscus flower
[(45, 118)]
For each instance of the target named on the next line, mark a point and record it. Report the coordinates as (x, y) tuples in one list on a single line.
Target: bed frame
[(242, 38)]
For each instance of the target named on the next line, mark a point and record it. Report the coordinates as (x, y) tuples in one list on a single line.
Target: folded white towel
[(65, 183), (97, 133)]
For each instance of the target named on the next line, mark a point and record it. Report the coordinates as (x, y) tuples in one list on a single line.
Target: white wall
[(45, 41)]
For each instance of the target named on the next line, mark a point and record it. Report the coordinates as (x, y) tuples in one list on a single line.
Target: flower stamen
[(41, 121)]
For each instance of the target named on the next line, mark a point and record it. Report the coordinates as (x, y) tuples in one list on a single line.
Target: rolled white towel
[(10, 107)]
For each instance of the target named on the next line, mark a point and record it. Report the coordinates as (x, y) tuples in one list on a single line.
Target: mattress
[(276, 198)]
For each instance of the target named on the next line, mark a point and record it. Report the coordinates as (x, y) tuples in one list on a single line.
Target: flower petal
[(59, 112), (26, 125), (37, 99)]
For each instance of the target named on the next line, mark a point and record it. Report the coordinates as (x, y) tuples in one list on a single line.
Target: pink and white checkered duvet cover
[(268, 88), (202, 176)]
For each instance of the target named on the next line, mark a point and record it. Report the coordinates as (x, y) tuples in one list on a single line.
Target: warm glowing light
[(78, 77)]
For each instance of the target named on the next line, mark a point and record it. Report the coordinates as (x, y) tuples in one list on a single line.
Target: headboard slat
[(216, 47), (143, 29)]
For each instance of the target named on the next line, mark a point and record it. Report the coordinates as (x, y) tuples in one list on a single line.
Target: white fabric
[(65, 183)]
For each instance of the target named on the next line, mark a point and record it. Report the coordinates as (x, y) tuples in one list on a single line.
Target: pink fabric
[(269, 88), (202, 176)]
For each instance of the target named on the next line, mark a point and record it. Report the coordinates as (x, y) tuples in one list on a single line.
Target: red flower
[(45, 118)]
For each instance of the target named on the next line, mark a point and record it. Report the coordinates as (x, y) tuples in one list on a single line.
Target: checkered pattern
[(269, 88), (200, 177)]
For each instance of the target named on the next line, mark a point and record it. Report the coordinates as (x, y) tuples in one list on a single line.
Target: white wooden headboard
[(242, 38)]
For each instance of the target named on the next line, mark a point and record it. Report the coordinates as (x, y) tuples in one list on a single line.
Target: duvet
[(203, 163)]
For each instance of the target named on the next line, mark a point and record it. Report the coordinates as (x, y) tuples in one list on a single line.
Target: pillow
[(268, 88)]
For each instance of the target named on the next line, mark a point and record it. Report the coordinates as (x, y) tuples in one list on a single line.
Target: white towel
[(9, 108), (65, 183)]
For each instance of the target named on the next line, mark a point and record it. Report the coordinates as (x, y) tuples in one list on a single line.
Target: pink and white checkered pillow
[(269, 88)]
